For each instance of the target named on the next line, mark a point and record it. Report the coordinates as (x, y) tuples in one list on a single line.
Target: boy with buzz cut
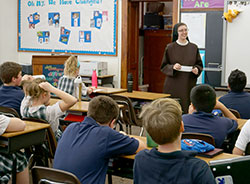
[(237, 98), (168, 164), (85, 148), (201, 120), (11, 95)]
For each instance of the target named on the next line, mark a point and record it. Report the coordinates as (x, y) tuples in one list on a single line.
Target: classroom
[(128, 47)]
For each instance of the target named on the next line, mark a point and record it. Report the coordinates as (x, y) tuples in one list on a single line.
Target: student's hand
[(177, 66), (90, 90), (27, 77), (46, 86), (218, 105), (191, 109), (195, 70)]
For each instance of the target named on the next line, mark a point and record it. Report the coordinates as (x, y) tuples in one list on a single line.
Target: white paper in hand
[(186, 68)]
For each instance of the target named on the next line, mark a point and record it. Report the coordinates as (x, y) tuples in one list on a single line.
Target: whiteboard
[(68, 26), (196, 23), (236, 39)]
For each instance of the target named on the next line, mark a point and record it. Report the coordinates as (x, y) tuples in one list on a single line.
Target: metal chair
[(205, 137), (7, 111), (51, 143), (45, 175), (127, 113)]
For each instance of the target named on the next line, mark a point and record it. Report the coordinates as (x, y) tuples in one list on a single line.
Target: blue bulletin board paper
[(52, 73), (68, 26)]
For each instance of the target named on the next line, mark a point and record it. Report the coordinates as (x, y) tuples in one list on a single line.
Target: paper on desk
[(96, 90), (186, 68)]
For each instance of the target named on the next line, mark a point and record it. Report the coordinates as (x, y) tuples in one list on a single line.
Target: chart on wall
[(68, 26)]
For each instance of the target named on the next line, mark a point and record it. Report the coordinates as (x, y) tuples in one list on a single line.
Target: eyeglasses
[(183, 30)]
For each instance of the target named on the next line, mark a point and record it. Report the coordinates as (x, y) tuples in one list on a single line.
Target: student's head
[(71, 67), (237, 80), (36, 92), (163, 120), (203, 98), (11, 72), (180, 30), (103, 109)]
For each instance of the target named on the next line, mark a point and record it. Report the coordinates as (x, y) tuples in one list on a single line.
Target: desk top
[(99, 77), (81, 106), (218, 157), (144, 95), (30, 127), (105, 90), (241, 123)]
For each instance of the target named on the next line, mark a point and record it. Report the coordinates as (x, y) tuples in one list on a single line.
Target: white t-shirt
[(4, 122), (244, 137)]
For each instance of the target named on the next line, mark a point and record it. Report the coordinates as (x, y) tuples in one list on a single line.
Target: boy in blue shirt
[(85, 148), (168, 163), (11, 95), (201, 120), (237, 98)]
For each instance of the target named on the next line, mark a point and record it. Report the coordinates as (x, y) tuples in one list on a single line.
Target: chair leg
[(109, 178), (141, 132)]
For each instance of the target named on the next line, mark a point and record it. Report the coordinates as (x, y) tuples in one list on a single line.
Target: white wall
[(8, 41)]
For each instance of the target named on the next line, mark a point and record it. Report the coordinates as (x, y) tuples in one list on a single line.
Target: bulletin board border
[(55, 51)]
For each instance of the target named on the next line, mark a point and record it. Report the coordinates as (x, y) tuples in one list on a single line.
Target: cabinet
[(155, 42)]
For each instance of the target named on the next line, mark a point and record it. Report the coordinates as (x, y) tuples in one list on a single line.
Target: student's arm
[(15, 124), (141, 146), (67, 99), (238, 151), (227, 113)]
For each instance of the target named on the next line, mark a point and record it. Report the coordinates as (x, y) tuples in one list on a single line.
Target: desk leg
[(109, 178), (14, 169)]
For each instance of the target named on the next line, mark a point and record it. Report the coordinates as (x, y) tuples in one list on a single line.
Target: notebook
[(211, 154)]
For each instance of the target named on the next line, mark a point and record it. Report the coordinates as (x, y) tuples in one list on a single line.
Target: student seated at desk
[(68, 83), (36, 103), (243, 139), (6, 161), (85, 148), (168, 163), (201, 120), (11, 95), (237, 98)]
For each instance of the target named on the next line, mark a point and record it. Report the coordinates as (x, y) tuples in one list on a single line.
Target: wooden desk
[(241, 123), (123, 166), (34, 133), (108, 91), (78, 107), (142, 95), (101, 80)]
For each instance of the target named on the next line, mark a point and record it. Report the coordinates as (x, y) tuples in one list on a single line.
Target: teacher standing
[(182, 66)]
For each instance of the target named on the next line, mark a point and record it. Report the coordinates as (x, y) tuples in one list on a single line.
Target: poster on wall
[(68, 26)]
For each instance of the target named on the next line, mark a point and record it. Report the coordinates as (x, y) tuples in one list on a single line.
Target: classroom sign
[(68, 26), (202, 3)]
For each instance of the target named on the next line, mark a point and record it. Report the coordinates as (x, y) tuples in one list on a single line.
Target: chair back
[(45, 175), (50, 136), (247, 150), (235, 112), (128, 114), (205, 137), (10, 112)]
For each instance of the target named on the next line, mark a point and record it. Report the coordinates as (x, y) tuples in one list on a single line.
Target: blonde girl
[(36, 103), (67, 81)]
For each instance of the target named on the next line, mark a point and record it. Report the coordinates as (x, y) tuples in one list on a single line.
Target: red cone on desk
[(94, 79)]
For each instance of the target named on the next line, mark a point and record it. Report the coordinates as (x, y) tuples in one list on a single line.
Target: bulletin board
[(236, 40), (68, 26)]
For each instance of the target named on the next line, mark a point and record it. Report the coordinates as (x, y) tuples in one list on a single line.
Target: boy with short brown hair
[(167, 164), (11, 94)]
